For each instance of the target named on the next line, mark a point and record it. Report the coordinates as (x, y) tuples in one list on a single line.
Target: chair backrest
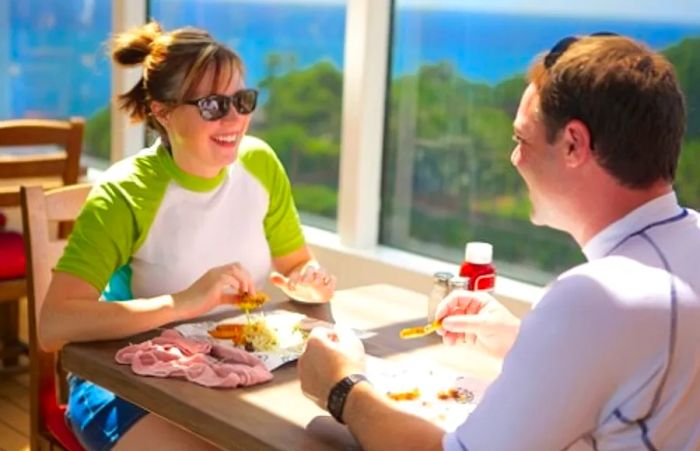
[(40, 209), (40, 132)]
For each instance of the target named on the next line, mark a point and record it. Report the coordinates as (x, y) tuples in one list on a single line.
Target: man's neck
[(610, 204)]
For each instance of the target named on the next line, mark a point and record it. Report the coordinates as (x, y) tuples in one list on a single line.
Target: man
[(610, 356)]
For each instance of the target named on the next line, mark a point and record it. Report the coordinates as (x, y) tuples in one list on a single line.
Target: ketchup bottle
[(477, 266)]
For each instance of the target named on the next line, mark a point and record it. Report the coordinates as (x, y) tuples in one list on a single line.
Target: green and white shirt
[(148, 228)]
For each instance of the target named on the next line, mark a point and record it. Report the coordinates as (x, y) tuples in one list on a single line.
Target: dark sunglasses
[(216, 106), (562, 46)]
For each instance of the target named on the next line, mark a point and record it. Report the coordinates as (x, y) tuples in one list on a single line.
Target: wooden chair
[(56, 169), (40, 211)]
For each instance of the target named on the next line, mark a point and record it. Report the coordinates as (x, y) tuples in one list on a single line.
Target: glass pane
[(456, 79), (54, 64), (293, 52)]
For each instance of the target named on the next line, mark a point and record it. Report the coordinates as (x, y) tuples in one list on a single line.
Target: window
[(457, 74), (293, 52), (54, 64)]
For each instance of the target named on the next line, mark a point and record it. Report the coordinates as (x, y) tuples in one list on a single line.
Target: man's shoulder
[(607, 285)]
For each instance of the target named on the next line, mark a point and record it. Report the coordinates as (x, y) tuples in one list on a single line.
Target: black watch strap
[(339, 394)]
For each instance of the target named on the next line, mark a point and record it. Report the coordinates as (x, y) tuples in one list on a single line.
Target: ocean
[(54, 50)]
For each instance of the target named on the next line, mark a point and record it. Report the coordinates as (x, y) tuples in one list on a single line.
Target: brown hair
[(173, 64), (628, 97)]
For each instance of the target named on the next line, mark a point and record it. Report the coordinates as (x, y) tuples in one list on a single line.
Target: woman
[(179, 228)]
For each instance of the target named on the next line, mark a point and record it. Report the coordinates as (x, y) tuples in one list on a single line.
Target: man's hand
[(330, 355), (478, 319), (310, 283)]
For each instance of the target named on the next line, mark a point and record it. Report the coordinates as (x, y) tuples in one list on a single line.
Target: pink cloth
[(198, 361)]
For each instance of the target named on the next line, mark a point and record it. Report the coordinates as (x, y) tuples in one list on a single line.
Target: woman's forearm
[(74, 320)]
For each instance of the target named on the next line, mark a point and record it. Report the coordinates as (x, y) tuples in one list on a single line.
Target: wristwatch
[(339, 394)]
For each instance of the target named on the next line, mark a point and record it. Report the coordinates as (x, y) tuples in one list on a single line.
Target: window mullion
[(127, 138), (366, 59)]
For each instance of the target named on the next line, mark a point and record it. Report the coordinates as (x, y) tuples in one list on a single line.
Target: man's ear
[(577, 139), (160, 112)]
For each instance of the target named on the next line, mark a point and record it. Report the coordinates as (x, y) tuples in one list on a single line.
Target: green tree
[(300, 119)]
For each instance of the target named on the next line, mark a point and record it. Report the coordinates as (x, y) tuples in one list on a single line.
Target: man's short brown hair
[(628, 97)]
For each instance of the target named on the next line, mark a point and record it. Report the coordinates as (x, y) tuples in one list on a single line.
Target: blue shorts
[(98, 417)]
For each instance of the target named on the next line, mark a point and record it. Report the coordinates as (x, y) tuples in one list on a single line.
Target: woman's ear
[(160, 112)]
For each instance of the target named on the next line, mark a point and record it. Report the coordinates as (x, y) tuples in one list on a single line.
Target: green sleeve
[(102, 239), (282, 225)]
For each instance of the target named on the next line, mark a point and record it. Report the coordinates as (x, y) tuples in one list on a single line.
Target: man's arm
[(331, 355), (378, 425)]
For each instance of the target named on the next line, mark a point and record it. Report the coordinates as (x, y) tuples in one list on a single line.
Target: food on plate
[(457, 394), (263, 333), (407, 395), (460, 395), (231, 331)]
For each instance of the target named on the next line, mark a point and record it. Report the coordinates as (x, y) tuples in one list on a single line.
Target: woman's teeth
[(225, 139)]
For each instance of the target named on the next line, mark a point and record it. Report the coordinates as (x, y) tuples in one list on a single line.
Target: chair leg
[(12, 347)]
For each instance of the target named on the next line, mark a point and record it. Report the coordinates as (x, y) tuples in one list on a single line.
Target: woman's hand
[(217, 286), (477, 319), (310, 283)]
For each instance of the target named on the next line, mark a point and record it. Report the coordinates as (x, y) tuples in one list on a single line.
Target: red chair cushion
[(13, 261), (56, 425)]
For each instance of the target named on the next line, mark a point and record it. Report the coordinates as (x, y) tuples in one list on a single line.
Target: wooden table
[(276, 415)]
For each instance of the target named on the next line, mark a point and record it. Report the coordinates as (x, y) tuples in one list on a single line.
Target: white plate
[(271, 359)]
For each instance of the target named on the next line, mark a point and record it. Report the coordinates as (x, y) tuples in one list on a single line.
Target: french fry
[(415, 332)]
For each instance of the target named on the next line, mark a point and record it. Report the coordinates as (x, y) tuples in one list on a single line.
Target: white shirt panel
[(183, 245)]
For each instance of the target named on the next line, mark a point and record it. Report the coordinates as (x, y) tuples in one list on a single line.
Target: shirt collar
[(186, 180), (658, 209)]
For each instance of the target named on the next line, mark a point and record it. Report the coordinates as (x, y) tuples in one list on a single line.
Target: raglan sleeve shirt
[(102, 239), (282, 226)]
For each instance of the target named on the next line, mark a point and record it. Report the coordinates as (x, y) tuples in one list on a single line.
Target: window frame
[(356, 244)]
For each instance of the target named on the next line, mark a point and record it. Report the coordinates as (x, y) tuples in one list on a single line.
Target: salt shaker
[(458, 283), (440, 289)]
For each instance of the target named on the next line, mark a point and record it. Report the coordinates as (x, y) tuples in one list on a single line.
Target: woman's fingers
[(309, 275), (278, 279), (313, 284), (245, 281)]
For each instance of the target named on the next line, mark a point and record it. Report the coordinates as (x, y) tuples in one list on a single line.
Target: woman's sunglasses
[(216, 106)]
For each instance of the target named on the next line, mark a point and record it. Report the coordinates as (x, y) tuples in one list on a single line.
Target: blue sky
[(681, 11)]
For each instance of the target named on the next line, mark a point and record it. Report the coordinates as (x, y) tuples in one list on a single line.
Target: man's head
[(606, 101), (628, 98)]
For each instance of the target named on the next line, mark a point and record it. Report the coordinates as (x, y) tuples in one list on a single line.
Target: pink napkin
[(198, 361)]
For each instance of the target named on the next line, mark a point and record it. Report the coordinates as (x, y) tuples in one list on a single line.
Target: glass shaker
[(458, 283), (441, 288)]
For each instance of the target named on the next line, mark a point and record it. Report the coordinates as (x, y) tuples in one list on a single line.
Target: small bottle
[(478, 266), (459, 283), (440, 289)]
